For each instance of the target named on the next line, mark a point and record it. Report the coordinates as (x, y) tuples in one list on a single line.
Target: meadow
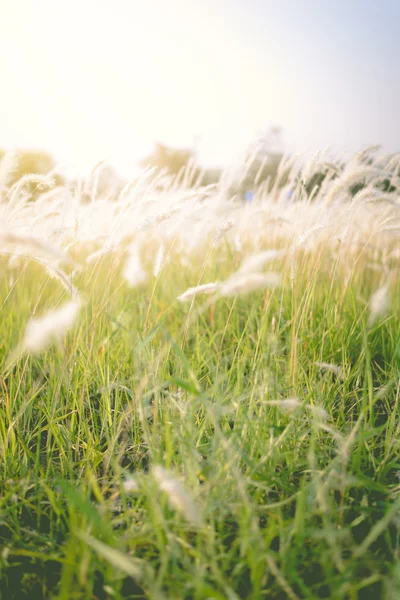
[(199, 397)]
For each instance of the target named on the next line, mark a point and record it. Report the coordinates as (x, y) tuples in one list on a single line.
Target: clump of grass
[(242, 445)]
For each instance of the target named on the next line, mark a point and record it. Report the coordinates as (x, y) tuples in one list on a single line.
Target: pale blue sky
[(338, 61), (92, 79)]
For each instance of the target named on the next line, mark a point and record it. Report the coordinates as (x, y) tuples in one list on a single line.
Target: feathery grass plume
[(36, 178), (153, 221), (318, 412), (41, 332), (377, 196), (379, 304), (133, 271), (335, 369), (93, 180), (310, 167), (351, 175), (291, 404), (130, 484), (221, 231), (99, 253), (178, 496), (159, 261), (205, 288), (307, 234), (31, 242), (364, 152), (256, 262), (243, 284), (238, 242), (128, 187), (287, 405), (58, 274), (145, 177), (390, 228)]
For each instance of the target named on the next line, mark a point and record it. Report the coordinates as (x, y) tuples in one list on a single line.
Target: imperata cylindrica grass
[(205, 288), (42, 331), (241, 283), (379, 303), (134, 272), (178, 496), (261, 374)]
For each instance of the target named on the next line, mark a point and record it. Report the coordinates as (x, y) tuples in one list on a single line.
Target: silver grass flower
[(42, 331), (159, 261), (178, 497), (256, 262), (335, 369), (205, 288), (244, 284), (221, 231), (379, 304), (133, 271)]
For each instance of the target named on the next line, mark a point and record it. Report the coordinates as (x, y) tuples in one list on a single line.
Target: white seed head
[(221, 231), (256, 262), (42, 331), (335, 369), (10, 239), (130, 484), (205, 288), (133, 271), (379, 304), (244, 284), (179, 498), (287, 405), (159, 261), (318, 412)]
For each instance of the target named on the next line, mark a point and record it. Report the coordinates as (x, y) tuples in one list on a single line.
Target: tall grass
[(215, 412)]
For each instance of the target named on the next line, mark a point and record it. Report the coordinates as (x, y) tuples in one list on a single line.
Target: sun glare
[(95, 80)]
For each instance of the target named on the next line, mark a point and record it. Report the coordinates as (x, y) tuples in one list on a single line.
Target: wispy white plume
[(179, 498), (379, 304), (221, 231), (42, 331), (56, 273), (335, 369), (99, 253), (318, 412), (351, 175), (149, 223), (363, 153), (238, 242), (30, 242), (291, 404), (288, 404), (243, 284), (130, 484), (29, 179), (205, 288), (256, 262), (159, 261), (133, 272), (307, 234)]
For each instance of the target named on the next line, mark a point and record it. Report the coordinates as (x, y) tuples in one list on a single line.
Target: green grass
[(292, 505)]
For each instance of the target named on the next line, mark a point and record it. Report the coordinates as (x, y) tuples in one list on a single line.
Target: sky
[(104, 79)]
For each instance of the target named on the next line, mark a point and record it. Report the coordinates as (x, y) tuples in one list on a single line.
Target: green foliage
[(293, 505)]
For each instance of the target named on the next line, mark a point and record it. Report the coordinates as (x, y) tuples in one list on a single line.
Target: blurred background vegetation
[(263, 165)]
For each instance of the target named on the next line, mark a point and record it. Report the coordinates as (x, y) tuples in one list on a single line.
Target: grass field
[(241, 441)]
